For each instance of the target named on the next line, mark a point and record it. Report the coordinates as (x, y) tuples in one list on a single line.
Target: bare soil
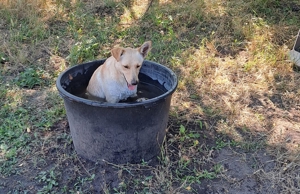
[(241, 174)]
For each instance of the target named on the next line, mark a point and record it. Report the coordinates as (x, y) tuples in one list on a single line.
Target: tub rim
[(68, 96)]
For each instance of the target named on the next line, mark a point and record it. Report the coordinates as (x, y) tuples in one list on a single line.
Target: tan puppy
[(117, 78)]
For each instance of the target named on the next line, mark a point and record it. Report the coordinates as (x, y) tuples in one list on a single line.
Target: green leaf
[(200, 124), (182, 130)]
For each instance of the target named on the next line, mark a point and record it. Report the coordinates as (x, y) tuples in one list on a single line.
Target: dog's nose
[(134, 82)]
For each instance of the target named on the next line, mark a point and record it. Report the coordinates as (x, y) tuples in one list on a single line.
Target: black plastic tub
[(127, 132)]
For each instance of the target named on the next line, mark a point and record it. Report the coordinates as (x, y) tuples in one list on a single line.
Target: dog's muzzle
[(134, 82)]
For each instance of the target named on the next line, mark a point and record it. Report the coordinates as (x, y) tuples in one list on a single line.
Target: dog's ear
[(145, 48), (117, 53)]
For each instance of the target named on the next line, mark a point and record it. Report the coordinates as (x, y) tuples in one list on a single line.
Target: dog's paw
[(141, 99)]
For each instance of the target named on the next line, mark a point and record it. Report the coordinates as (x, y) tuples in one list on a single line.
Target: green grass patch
[(30, 78)]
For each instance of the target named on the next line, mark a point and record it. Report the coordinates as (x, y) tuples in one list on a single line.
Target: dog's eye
[(138, 66), (126, 67)]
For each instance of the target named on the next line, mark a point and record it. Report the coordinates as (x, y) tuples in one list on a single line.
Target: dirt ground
[(242, 171)]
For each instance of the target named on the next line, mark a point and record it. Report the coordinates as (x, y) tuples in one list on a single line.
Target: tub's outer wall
[(118, 135)]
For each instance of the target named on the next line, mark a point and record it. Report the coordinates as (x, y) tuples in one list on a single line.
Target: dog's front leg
[(112, 99)]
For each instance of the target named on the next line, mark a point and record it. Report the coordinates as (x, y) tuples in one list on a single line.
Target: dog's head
[(129, 62)]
